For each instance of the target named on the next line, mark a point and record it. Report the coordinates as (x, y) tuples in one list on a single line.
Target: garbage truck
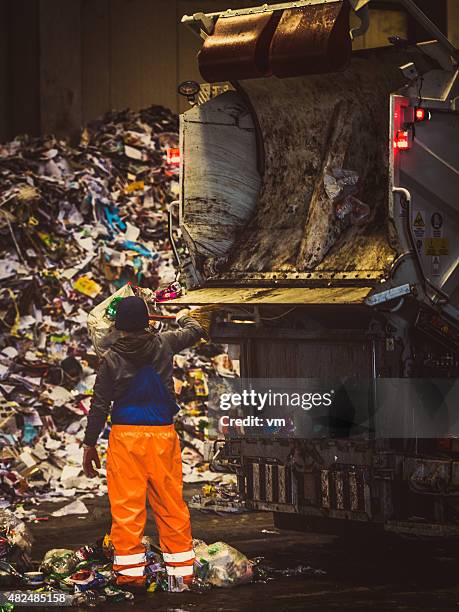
[(319, 207)]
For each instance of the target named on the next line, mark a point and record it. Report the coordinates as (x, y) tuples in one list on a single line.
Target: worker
[(144, 457)]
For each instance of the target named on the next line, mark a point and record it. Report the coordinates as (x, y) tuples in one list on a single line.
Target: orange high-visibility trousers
[(146, 461)]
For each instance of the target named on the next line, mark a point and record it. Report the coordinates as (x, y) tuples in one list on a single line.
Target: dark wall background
[(65, 62)]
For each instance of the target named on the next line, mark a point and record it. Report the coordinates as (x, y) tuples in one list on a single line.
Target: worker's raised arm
[(189, 333), (193, 325)]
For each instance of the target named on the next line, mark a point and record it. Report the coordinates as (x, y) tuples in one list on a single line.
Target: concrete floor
[(361, 574)]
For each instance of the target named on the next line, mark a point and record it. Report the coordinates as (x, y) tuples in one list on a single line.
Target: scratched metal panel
[(430, 171), (325, 488), (313, 359), (256, 494), (282, 484), (353, 491), (220, 180), (281, 295), (339, 485), (269, 482)]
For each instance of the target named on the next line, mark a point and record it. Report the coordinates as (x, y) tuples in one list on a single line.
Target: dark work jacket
[(136, 374)]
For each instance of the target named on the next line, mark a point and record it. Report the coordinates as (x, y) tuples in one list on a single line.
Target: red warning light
[(402, 140), (420, 114)]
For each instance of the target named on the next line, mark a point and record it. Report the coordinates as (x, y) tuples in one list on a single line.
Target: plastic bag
[(60, 561), (353, 209), (341, 183), (341, 187), (222, 565), (101, 328), (16, 537), (360, 212)]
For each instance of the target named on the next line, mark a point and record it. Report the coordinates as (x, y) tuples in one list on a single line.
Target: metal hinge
[(390, 294)]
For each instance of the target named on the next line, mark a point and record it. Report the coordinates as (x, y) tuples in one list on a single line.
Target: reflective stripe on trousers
[(145, 461)]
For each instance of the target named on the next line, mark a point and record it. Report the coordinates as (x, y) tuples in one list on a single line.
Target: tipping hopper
[(256, 206)]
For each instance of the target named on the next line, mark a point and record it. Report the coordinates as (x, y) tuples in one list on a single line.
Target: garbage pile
[(15, 540), (76, 224), (81, 577), (220, 497), (86, 577)]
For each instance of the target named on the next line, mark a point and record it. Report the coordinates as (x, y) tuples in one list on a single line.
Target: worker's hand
[(90, 458), (185, 312)]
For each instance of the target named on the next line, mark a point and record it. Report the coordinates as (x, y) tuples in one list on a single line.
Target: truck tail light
[(402, 140), (421, 114), (415, 114)]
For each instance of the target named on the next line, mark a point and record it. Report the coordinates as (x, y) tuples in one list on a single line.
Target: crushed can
[(176, 584)]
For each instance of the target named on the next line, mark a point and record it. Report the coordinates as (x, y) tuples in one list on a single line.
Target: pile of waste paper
[(77, 223)]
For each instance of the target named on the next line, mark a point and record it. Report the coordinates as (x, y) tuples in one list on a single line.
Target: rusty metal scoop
[(287, 40)]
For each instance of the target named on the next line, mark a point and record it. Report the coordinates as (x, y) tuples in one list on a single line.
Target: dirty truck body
[(304, 294)]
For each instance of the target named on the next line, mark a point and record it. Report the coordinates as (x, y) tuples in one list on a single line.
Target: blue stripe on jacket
[(146, 401)]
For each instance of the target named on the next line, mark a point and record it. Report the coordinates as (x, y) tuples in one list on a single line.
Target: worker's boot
[(131, 583)]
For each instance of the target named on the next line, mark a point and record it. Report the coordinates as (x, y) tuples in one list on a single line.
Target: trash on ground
[(221, 565), (220, 497), (75, 507), (15, 540), (266, 573)]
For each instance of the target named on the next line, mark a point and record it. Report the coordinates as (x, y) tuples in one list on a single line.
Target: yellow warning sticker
[(437, 246), (419, 220)]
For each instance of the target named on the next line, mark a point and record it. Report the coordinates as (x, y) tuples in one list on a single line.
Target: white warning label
[(435, 266)]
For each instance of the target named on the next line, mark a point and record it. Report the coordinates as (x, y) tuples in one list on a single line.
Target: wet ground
[(362, 572)]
